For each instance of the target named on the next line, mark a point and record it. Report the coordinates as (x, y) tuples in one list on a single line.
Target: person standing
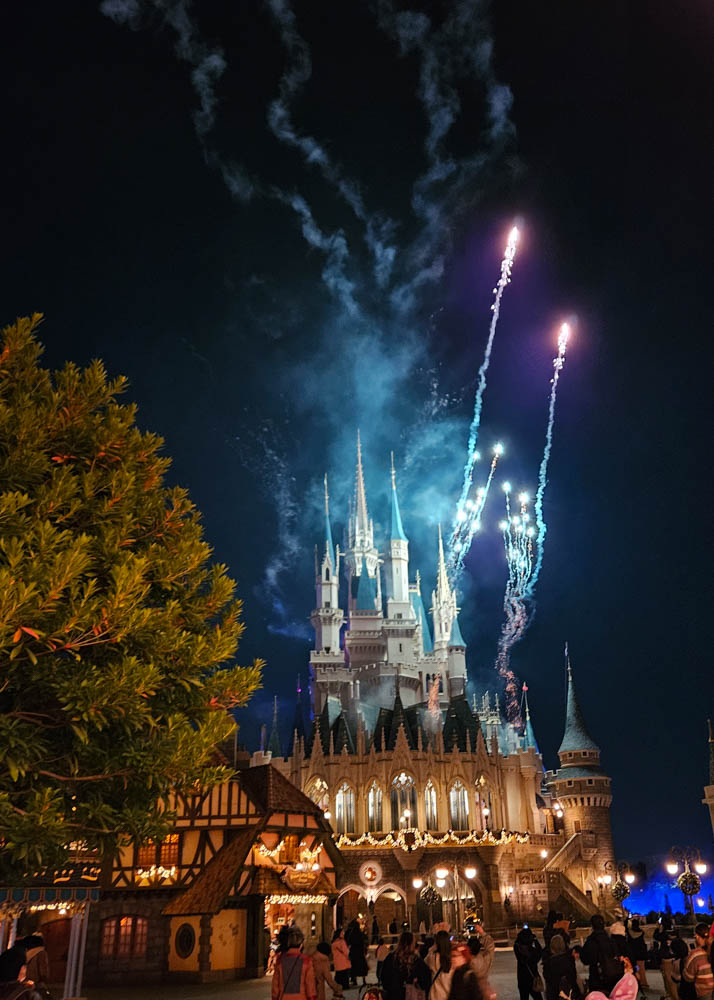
[(375, 930), (528, 953), (321, 967), (697, 979), (637, 950), (382, 951), (481, 964), (357, 943), (439, 962), (600, 955), (404, 967), (341, 958), (559, 972), (294, 976)]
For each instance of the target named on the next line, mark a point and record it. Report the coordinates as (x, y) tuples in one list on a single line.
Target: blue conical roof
[(329, 547), (420, 613), (397, 529), (366, 597), (576, 736), (529, 736), (456, 638)]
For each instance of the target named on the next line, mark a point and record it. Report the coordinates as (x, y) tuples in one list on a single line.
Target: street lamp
[(441, 872), (689, 881), (417, 883), (470, 872)]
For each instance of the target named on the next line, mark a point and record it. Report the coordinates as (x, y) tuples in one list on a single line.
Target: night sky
[(284, 223)]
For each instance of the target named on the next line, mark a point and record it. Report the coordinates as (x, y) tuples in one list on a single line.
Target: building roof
[(211, 887), (420, 612), (329, 547), (456, 638), (576, 736), (459, 721), (578, 772), (272, 792)]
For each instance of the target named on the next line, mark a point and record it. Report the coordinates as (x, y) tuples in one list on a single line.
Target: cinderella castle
[(439, 807)]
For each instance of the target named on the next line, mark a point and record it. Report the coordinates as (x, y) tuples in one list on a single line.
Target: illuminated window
[(430, 807), (374, 808), (459, 807), (146, 855), (169, 851), (483, 804), (345, 809), (124, 937), (403, 802), (317, 791)]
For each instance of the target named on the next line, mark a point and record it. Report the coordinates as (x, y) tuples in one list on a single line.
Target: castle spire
[(274, 741), (298, 730), (529, 739), (397, 529), (361, 516), (711, 753), (443, 590), (576, 736), (443, 603), (329, 547)]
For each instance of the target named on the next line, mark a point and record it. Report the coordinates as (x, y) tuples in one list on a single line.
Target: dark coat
[(600, 955), (528, 951), (395, 976), (560, 974), (358, 948)]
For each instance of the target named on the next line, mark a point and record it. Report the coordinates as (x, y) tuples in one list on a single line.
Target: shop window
[(124, 937), (169, 850)]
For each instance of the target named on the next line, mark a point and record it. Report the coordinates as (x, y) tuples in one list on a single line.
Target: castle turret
[(529, 740), (579, 785), (327, 617), (398, 604), (274, 742), (456, 660)]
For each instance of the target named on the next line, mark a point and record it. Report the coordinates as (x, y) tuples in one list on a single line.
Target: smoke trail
[(378, 231), (558, 363), (461, 511), (518, 535)]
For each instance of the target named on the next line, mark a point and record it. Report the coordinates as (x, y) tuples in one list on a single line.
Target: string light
[(410, 839), (156, 872), (294, 899)]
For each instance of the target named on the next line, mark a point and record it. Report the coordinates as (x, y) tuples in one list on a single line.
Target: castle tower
[(327, 617), (529, 740), (361, 550), (456, 661), (398, 603), (708, 799), (580, 786), (424, 645), (443, 606)]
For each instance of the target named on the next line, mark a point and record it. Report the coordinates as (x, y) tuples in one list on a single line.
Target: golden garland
[(294, 899), (417, 838)]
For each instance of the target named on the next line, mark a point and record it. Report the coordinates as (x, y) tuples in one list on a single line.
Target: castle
[(438, 804)]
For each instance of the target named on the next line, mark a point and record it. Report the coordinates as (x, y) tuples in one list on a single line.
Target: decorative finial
[(418, 581), (394, 475), (327, 498), (567, 659)]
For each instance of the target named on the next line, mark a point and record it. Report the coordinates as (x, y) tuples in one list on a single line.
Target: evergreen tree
[(116, 631)]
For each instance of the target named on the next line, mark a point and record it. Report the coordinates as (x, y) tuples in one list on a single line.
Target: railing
[(554, 883), (575, 847)]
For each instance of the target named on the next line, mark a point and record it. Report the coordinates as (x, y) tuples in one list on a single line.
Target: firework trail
[(542, 527), (469, 521), (518, 537), (473, 455), (433, 703)]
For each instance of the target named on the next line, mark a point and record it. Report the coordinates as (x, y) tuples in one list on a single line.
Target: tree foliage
[(116, 631)]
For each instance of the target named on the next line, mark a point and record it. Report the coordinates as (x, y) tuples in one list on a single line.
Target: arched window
[(316, 789), (483, 818), (345, 809), (123, 937), (374, 808), (459, 806), (404, 805), (327, 572), (430, 807)]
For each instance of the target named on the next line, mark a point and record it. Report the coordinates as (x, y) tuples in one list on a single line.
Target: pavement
[(503, 980)]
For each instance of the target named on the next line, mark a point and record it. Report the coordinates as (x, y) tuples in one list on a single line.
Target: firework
[(541, 526), (469, 521), (473, 455)]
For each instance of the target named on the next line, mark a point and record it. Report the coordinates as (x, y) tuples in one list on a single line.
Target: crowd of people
[(609, 965)]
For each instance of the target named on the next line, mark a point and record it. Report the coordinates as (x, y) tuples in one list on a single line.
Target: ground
[(503, 979)]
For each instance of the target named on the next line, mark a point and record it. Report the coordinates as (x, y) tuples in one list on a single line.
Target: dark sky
[(257, 353)]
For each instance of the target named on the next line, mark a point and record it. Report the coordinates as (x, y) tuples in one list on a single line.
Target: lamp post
[(618, 877), (688, 881)]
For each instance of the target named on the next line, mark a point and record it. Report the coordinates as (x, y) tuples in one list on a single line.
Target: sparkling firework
[(518, 541), (457, 536), (541, 526), (469, 521)]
